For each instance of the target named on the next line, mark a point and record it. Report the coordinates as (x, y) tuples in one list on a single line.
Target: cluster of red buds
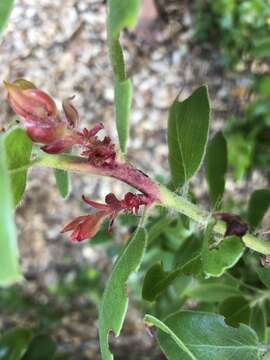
[(45, 126), (86, 226)]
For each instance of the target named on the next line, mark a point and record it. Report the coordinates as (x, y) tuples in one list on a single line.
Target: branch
[(160, 194)]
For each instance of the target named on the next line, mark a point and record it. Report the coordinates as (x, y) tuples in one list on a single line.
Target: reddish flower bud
[(85, 227), (28, 101), (38, 110)]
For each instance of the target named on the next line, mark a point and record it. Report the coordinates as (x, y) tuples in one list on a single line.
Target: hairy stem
[(159, 194), (180, 204)]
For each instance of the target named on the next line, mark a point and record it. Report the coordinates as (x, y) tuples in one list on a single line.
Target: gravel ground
[(62, 49)]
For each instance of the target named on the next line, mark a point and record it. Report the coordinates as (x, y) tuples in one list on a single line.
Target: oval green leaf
[(18, 152), (62, 178), (188, 127), (259, 203)]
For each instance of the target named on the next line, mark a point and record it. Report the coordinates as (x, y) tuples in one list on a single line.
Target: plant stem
[(180, 204), (160, 194)]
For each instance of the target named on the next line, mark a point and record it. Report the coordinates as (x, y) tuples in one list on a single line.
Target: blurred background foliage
[(239, 32)]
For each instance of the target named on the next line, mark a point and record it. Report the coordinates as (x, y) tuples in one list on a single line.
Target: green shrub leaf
[(153, 321), (258, 321), (259, 203), (212, 292), (5, 10), (222, 257), (9, 269), (240, 151), (188, 126), (123, 96), (14, 343), (206, 336), (216, 167), (121, 14), (18, 152), (62, 178), (115, 300), (236, 310), (157, 280), (42, 347), (264, 275)]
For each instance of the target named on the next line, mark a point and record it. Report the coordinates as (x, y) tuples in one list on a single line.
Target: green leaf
[(258, 322), (240, 150), (121, 14), (262, 48), (62, 178), (206, 336), (223, 257), (18, 152), (9, 269), (264, 275), (5, 10), (259, 203), (115, 300), (42, 347), (157, 280), (123, 96), (212, 292), (236, 310), (153, 321), (14, 343), (188, 126), (216, 167), (157, 228)]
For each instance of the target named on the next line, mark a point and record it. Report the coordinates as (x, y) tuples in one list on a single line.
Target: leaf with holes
[(115, 300), (216, 261), (236, 310), (205, 336)]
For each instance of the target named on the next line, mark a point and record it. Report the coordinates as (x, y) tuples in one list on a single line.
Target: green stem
[(144, 184), (180, 204)]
